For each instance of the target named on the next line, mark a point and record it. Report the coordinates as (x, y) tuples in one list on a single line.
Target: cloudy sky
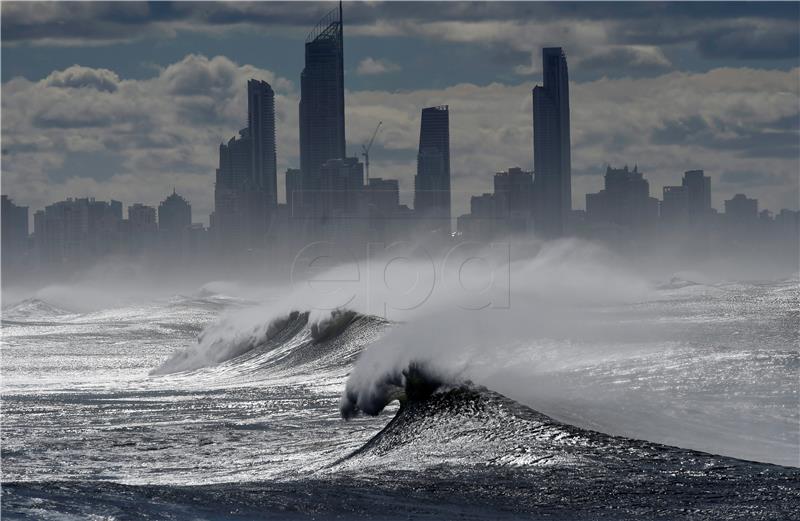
[(126, 100)]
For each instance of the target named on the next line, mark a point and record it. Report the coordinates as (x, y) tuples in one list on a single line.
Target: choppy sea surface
[(698, 421)]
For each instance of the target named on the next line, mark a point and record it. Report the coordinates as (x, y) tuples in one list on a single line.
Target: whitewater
[(572, 388)]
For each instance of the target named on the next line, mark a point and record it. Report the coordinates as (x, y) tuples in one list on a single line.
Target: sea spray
[(416, 382), (577, 338)]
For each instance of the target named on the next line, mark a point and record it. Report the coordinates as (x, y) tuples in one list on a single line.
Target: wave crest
[(33, 309), (299, 338), (417, 382), (333, 326), (215, 346)]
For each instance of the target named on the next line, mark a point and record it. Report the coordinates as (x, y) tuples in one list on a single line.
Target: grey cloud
[(745, 179), (66, 117), (718, 29), (20, 148), (75, 21), (197, 75), (79, 77), (791, 122), (752, 41), (629, 58), (99, 166), (372, 66), (595, 170), (770, 139), (681, 131)]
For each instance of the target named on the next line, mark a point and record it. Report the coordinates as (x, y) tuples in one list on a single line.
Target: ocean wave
[(289, 341), (677, 283), (332, 326), (33, 309), (442, 426), (416, 382), (212, 349)]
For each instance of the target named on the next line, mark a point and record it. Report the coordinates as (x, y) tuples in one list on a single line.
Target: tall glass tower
[(322, 99), (432, 182), (261, 122), (551, 145)]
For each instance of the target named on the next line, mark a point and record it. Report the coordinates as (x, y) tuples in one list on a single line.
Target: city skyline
[(758, 158), (334, 203)]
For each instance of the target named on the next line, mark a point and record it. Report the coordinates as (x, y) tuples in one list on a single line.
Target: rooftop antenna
[(366, 147)]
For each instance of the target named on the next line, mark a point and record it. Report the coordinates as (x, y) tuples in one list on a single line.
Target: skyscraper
[(142, 228), (235, 162), (675, 208), (174, 215), (142, 218), (261, 123), (245, 194), (322, 100), (551, 145), (698, 188), (741, 211), (231, 225), (432, 182), (624, 201), (342, 184), (64, 231), (513, 199), (14, 233)]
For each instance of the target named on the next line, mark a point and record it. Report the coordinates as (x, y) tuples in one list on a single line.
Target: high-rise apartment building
[(174, 215), (513, 199), (261, 125), (740, 210), (14, 234), (698, 192), (551, 145), (625, 200), (675, 207)]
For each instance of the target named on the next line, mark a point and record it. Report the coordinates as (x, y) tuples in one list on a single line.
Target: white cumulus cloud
[(370, 66)]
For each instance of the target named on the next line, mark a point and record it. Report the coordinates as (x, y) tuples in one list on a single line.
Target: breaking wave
[(416, 382), (294, 338), (33, 309), (577, 337), (443, 427)]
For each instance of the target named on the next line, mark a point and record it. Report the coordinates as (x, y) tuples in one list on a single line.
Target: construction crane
[(368, 146)]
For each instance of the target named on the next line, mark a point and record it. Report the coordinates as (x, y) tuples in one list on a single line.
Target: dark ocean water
[(102, 420)]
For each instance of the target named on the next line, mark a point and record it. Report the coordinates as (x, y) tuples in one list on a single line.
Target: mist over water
[(476, 296), (565, 327), (255, 379)]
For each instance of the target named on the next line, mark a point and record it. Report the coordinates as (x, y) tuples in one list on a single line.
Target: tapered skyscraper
[(551, 145), (432, 183), (322, 100), (261, 122)]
